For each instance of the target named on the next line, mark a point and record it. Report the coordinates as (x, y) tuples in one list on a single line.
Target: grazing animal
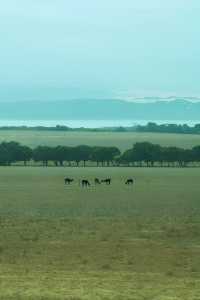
[(129, 181), (97, 181), (68, 180), (107, 180), (85, 182)]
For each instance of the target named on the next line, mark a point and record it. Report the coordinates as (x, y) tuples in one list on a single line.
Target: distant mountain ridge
[(178, 109)]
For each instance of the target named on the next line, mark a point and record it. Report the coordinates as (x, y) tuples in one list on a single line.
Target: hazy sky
[(99, 48)]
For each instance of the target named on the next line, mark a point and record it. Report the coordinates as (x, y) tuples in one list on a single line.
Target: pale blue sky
[(99, 49)]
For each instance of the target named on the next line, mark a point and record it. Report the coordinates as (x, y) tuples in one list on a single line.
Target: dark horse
[(107, 180), (129, 181), (85, 182), (68, 180), (97, 181)]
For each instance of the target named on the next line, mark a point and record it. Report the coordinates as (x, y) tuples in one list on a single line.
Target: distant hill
[(100, 109)]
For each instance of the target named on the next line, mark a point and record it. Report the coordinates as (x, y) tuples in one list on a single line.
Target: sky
[(123, 49)]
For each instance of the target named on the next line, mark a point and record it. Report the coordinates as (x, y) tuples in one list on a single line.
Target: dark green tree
[(43, 154)]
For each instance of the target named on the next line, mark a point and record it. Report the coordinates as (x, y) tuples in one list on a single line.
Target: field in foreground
[(106, 242), (123, 140)]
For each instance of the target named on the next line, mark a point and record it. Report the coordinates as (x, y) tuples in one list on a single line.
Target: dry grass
[(117, 242), (123, 140)]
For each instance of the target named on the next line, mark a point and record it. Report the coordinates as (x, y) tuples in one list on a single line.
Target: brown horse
[(129, 181), (107, 181), (85, 183), (97, 181), (68, 180)]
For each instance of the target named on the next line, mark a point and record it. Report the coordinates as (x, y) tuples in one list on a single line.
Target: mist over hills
[(178, 109)]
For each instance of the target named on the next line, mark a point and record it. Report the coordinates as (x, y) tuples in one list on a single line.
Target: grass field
[(122, 140), (106, 242)]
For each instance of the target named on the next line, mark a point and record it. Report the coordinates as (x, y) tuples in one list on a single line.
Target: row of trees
[(149, 127), (82, 153), (141, 154), (151, 154), (169, 128), (13, 152)]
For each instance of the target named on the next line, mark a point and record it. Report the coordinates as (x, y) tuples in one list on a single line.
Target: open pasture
[(104, 242), (123, 140)]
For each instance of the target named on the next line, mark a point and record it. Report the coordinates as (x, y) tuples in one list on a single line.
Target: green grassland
[(123, 140), (114, 242)]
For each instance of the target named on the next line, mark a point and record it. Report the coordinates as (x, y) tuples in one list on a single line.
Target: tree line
[(169, 128), (149, 154), (141, 154), (149, 127)]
